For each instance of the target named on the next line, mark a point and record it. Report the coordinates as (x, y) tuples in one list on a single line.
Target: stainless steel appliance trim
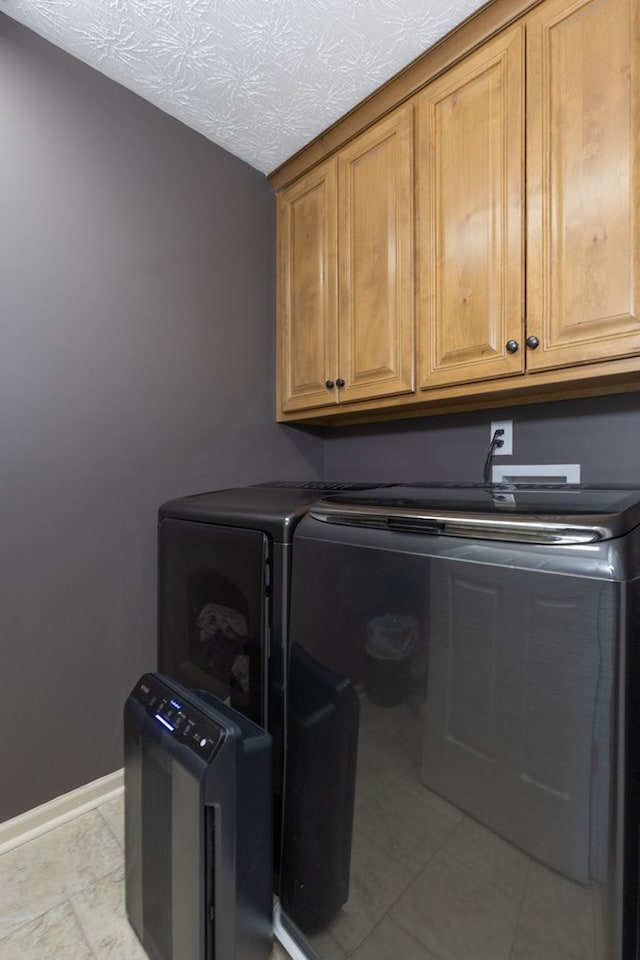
[(444, 523)]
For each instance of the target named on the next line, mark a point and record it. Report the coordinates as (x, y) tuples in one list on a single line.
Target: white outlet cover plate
[(506, 450)]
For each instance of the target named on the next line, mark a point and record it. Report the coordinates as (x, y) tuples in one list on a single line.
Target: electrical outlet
[(506, 450)]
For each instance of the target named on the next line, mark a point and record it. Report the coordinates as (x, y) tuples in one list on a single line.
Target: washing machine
[(463, 724)]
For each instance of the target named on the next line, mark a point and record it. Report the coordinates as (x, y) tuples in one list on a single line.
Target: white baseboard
[(35, 822)]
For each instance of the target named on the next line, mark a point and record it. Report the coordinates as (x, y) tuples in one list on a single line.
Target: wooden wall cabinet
[(345, 273), (515, 229)]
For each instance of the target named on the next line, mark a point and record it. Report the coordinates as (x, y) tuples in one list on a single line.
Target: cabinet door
[(470, 217), (583, 192), (375, 203), (307, 305)]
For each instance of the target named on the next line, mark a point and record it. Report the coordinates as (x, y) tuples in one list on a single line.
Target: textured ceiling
[(261, 78)]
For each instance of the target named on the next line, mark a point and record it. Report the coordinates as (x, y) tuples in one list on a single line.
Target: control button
[(203, 742)]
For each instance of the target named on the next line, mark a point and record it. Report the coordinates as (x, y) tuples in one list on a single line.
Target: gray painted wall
[(602, 434), (136, 364)]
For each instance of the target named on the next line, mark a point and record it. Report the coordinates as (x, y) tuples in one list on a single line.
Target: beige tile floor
[(62, 894)]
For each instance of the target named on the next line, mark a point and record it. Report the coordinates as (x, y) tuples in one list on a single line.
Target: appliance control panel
[(188, 725)]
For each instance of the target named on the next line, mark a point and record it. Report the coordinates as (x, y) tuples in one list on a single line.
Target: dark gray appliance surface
[(198, 826), (238, 543), (273, 507), (232, 549), (243, 537), (540, 513), (274, 510), (495, 806)]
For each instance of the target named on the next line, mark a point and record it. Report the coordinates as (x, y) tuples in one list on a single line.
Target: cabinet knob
[(512, 346), (329, 384), (339, 382), (532, 342)]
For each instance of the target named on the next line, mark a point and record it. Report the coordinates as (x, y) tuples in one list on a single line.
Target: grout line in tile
[(41, 917), (81, 925), (108, 824), (33, 919), (520, 908), (82, 930)]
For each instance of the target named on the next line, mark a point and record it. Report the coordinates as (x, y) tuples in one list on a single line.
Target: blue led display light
[(164, 722)]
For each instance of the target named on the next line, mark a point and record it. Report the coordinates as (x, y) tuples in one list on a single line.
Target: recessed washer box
[(537, 473)]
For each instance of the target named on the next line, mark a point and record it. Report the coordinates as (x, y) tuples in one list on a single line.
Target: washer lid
[(536, 513)]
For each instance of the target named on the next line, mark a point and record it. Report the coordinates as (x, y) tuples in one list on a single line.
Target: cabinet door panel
[(307, 318), (583, 225), (375, 189), (470, 234)]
